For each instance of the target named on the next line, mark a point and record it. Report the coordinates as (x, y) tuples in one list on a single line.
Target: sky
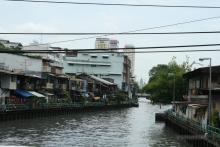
[(41, 17)]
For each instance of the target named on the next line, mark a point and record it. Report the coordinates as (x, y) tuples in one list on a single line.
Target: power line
[(132, 31), (162, 51), (116, 4), (158, 51), (136, 48), (123, 33)]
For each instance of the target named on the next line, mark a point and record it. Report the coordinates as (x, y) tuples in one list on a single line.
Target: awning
[(63, 76), (37, 94), (23, 93), (33, 76), (101, 80), (96, 98)]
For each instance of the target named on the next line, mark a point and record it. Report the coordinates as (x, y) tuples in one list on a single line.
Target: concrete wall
[(190, 114), (8, 81), (3, 95), (21, 62)]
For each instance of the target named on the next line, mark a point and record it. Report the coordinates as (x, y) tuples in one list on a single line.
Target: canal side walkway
[(192, 131)]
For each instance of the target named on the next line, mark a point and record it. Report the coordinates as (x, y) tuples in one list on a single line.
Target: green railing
[(215, 132), (17, 107), (13, 107), (212, 131), (91, 104)]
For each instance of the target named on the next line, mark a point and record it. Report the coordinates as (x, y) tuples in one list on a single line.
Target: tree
[(136, 87), (1, 46), (160, 84)]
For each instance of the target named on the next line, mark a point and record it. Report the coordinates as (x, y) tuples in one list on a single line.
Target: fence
[(18, 107), (212, 132)]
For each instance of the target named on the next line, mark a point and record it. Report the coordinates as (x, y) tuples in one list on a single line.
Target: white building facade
[(108, 66), (131, 56), (57, 58), (102, 43), (20, 63)]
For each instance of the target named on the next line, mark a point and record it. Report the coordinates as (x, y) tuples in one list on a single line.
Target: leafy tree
[(2, 46), (215, 119), (160, 84)]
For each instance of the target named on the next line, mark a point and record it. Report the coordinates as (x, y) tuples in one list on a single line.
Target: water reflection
[(124, 127)]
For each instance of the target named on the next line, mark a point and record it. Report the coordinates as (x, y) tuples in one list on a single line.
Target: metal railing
[(19, 107), (210, 130)]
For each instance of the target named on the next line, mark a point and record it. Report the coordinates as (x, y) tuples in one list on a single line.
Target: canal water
[(133, 127)]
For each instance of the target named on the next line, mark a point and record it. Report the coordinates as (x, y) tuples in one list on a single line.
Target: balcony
[(57, 71), (49, 86), (215, 86), (199, 98), (11, 86), (63, 86), (60, 86), (46, 69)]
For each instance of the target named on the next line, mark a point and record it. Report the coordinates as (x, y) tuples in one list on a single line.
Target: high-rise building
[(102, 43), (131, 56), (141, 83), (113, 43), (106, 43)]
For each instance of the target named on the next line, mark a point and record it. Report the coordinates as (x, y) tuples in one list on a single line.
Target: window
[(93, 65), (93, 56), (13, 79), (71, 64), (105, 56)]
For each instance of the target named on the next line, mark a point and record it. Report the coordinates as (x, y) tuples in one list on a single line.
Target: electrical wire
[(137, 48), (158, 51), (116, 4), (161, 51), (125, 33), (131, 31), (75, 51)]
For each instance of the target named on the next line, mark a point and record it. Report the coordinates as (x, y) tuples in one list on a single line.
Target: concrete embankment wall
[(34, 113), (192, 135)]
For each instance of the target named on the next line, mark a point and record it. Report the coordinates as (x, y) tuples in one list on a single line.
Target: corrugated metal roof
[(202, 71), (36, 94), (101, 80)]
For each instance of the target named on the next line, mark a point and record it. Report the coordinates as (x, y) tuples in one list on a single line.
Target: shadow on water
[(122, 127)]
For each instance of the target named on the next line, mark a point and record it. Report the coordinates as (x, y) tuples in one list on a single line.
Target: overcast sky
[(36, 17)]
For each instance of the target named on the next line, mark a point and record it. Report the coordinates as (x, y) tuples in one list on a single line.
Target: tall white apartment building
[(102, 43), (113, 43), (106, 43), (131, 56)]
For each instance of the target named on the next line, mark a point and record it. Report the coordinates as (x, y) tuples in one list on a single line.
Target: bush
[(215, 119), (120, 97)]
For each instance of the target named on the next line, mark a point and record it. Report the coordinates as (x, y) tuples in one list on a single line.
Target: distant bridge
[(147, 96)]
